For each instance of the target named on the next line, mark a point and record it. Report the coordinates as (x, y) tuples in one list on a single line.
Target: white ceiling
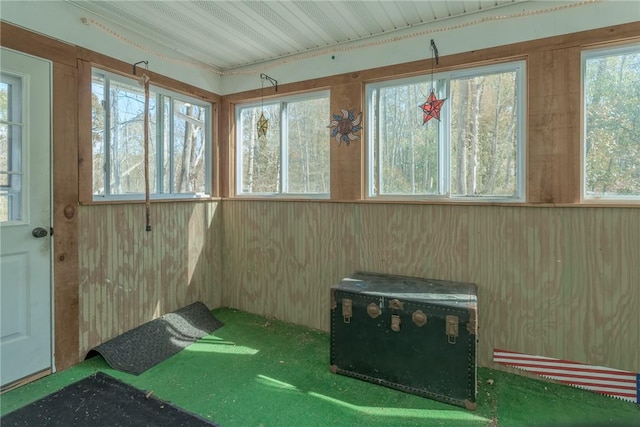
[(226, 35)]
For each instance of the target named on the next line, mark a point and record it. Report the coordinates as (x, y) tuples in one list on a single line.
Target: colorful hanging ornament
[(263, 125), (432, 106), (345, 126)]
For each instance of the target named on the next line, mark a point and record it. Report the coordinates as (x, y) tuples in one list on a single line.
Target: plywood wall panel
[(330, 236), (560, 282), (605, 244), (414, 240), (275, 257), (523, 259), (130, 276)]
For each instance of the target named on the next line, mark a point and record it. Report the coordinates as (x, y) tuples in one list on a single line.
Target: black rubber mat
[(147, 345), (101, 400)]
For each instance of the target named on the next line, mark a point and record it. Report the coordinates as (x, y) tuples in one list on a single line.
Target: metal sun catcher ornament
[(345, 126), (263, 125)]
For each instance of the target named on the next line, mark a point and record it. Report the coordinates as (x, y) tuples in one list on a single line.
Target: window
[(11, 170), (293, 157), (474, 151), (611, 80), (179, 141)]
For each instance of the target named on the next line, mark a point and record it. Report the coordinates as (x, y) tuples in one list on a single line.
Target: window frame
[(158, 92), (283, 141), (585, 55), (519, 66), (17, 136)]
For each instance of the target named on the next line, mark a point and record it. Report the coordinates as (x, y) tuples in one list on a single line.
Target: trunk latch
[(452, 328), (347, 310)]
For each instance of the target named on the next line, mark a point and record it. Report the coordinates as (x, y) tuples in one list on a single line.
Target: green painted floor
[(259, 372)]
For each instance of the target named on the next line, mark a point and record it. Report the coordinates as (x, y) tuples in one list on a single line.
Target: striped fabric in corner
[(616, 383)]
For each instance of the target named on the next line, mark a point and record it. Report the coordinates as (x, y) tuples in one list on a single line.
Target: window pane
[(11, 192), (405, 150), (179, 144), (5, 147), (4, 101), (260, 155), (166, 160), (98, 134), (4, 206), (189, 147), (10, 98), (10, 155), (484, 135), (612, 123), (471, 149), (5, 154), (308, 146), (126, 142)]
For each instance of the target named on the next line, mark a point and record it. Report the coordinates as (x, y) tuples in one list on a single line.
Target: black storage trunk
[(416, 335)]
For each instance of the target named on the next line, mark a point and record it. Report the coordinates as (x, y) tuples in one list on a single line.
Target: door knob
[(39, 232)]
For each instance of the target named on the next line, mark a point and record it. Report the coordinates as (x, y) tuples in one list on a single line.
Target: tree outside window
[(474, 151), (179, 141), (612, 123), (293, 157)]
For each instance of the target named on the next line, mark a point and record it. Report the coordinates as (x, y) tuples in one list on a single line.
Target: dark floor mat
[(101, 400), (147, 345)]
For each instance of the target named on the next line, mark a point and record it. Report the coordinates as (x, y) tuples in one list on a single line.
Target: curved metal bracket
[(146, 63), (273, 82), (434, 48)]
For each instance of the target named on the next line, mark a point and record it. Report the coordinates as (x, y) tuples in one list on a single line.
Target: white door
[(25, 212)]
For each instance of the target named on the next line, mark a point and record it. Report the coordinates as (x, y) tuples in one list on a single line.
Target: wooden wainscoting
[(129, 276), (560, 282)]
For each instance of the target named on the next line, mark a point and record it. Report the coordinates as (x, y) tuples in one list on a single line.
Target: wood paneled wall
[(560, 282), (129, 276)]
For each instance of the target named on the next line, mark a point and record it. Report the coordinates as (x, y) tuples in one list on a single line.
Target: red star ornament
[(431, 108)]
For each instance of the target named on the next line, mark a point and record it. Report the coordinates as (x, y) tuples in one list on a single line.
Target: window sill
[(153, 201), (467, 203), (599, 203), (289, 197)]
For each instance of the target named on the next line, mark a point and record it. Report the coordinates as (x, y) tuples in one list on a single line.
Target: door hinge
[(50, 231)]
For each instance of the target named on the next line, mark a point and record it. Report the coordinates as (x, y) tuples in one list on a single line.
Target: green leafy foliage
[(612, 116), (297, 140), (472, 150)]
